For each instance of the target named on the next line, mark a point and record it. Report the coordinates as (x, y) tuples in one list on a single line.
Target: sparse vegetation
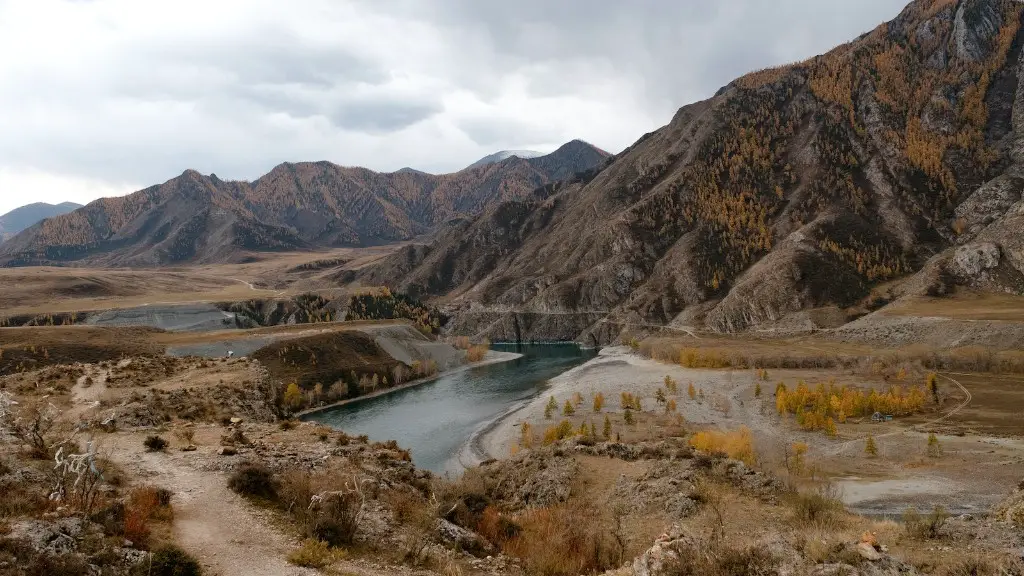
[(169, 560), (925, 527), (315, 553), (154, 443)]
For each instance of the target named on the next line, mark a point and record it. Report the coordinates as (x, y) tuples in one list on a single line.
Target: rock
[(236, 420), (868, 552), (466, 540), (660, 558), (972, 259), (57, 537), (189, 448), (227, 451)]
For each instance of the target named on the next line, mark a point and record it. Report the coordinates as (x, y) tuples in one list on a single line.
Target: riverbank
[(492, 357)]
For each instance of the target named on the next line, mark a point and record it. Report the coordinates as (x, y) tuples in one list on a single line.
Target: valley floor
[(978, 467)]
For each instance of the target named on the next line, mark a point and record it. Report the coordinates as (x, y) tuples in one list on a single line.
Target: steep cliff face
[(197, 219), (792, 188)]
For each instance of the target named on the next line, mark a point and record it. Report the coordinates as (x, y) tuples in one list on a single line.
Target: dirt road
[(226, 533)]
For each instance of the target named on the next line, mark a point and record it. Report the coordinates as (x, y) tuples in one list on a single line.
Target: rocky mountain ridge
[(196, 218), (895, 158)]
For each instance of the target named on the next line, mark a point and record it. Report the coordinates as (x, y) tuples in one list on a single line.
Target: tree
[(598, 401), (593, 430), (293, 396), (659, 396), (691, 391), (550, 408), (627, 416), (607, 431), (526, 435), (757, 390), (568, 409), (670, 406), (671, 384), (934, 447), (870, 448), (830, 427), (933, 386)]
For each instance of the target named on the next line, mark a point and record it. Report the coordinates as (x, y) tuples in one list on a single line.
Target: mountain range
[(893, 164), (21, 218), (195, 218)]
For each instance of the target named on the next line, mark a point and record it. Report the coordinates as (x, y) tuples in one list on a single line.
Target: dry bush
[(566, 540), (254, 480), (154, 443), (315, 554), (143, 506), (169, 560), (716, 560), (821, 507), (925, 527), (326, 504), (476, 353), (738, 444)]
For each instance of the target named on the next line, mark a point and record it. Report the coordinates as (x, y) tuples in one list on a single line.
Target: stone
[(868, 552), (971, 260), (227, 451)]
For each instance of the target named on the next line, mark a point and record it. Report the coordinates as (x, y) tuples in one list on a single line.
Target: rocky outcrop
[(973, 260)]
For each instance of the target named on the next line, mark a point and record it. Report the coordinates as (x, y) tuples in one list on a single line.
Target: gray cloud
[(114, 94), (381, 117)]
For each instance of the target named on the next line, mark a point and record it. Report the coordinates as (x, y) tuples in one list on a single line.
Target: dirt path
[(227, 534), (87, 392)]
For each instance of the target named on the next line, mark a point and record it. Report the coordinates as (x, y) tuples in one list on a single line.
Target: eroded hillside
[(792, 188)]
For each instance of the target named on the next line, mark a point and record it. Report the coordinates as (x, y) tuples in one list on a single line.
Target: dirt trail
[(227, 534), (87, 397)]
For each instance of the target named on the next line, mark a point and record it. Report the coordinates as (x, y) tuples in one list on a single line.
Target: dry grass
[(738, 444), (315, 554), (564, 540)]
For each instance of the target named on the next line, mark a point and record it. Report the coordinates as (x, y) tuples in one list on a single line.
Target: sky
[(104, 97)]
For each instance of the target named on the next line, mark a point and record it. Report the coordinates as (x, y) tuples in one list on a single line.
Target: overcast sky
[(103, 97)]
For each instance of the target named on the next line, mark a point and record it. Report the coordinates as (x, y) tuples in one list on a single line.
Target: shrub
[(254, 480), (565, 540), (143, 505), (476, 353), (336, 519), (736, 444), (286, 425), (169, 560), (561, 432), (315, 554), (550, 407), (934, 447), (820, 507), (925, 527), (154, 443), (870, 448), (724, 561)]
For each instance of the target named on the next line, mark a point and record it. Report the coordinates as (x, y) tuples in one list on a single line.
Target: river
[(436, 420)]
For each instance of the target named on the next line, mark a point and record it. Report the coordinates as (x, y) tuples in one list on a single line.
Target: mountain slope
[(502, 155), (197, 218), (21, 218), (792, 188)]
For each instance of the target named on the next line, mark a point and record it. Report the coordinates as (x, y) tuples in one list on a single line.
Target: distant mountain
[(504, 154), (21, 218), (893, 163), (198, 218)]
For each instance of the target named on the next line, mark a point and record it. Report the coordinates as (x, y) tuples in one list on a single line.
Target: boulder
[(971, 260), (660, 559)]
